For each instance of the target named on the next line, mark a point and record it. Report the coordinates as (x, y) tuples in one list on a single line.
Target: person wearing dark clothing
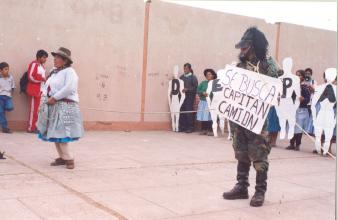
[(251, 148), (190, 89), (302, 115)]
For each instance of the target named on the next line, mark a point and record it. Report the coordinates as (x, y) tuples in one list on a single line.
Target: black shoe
[(238, 192), (297, 148), (2, 155), (210, 133), (261, 185), (6, 130), (314, 152), (188, 131), (258, 199), (290, 147), (203, 132), (58, 161)]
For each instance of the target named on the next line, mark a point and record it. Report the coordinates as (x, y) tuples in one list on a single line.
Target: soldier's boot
[(240, 190), (261, 185)]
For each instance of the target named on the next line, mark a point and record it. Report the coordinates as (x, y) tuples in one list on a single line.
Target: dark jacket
[(305, 92), (190, 84)]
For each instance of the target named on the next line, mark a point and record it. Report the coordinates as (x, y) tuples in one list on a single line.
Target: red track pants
[(33, 113)]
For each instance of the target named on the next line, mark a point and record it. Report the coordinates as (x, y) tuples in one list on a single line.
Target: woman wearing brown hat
[(59, 115)]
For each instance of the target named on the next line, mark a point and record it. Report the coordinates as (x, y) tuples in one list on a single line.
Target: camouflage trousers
[(251, 147)]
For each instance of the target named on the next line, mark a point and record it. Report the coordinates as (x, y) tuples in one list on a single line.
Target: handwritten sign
[(247, 97)]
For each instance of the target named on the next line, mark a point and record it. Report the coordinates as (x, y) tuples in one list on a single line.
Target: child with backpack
[(7, 86), (36, 78)]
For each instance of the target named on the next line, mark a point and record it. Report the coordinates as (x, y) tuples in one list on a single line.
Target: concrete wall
[(180, 34), (309, 47), (106, 39)]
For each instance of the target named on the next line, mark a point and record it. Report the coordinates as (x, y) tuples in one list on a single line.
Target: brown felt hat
[(63, 52)]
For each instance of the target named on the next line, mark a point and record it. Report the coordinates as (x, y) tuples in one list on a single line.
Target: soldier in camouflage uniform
[(248, 146)]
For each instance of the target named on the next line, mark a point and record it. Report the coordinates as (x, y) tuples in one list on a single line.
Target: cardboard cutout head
[(287, 65), (330, 74)]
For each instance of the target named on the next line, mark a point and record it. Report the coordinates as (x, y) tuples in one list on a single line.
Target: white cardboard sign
[(247, 97)]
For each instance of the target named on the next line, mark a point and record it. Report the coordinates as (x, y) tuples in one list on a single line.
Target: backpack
[(24, 83)]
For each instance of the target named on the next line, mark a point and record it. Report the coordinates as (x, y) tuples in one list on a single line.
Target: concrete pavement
[(157, 176)]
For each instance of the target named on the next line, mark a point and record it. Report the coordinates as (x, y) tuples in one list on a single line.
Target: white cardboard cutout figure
[(324, 119), (213, 104), (176, 97), (289, 100)]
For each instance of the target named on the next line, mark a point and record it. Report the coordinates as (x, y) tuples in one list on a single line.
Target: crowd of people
[(54, 113), (196, 96), (251, 148)]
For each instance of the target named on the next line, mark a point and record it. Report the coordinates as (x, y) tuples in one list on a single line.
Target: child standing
[(203, 114), (36, 78), (7, 86)]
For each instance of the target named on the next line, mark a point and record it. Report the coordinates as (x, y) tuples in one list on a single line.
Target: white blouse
[(63, 85)]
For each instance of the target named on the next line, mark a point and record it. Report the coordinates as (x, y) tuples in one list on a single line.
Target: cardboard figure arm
[(209, 89), (334, 90), (318, 92), (169, 93), (181, 91)]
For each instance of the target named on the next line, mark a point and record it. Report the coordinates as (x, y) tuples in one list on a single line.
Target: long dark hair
[(260, 43)]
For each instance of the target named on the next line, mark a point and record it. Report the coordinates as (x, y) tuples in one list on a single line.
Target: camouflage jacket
[(267, 67)]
